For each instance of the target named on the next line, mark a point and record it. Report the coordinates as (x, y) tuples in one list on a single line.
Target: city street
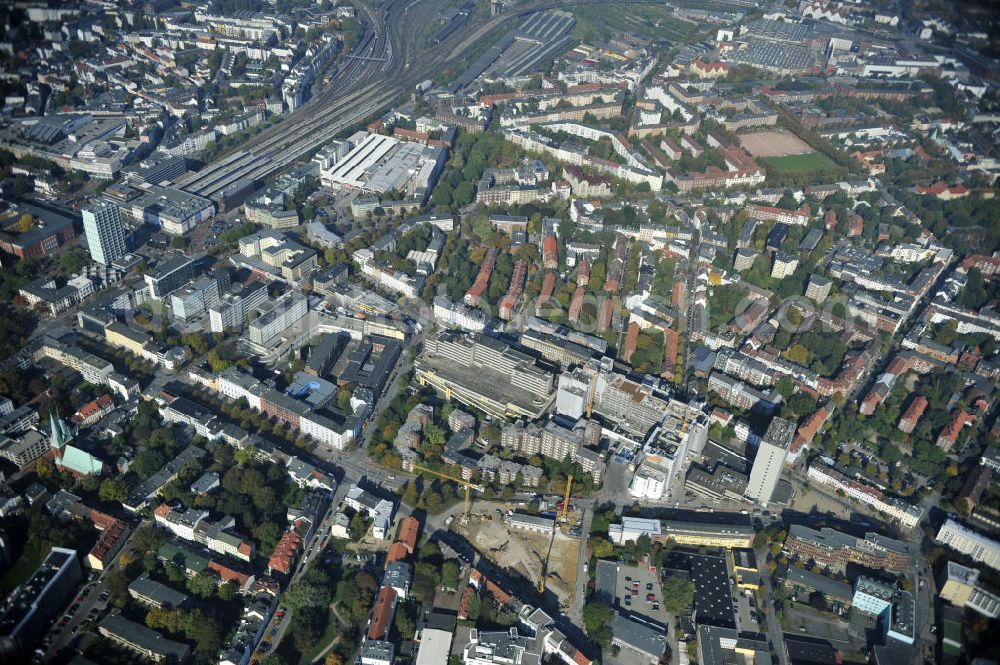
[(774, 632), (274, 632), (93, 598)]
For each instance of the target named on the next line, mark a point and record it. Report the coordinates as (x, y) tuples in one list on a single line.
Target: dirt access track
[(774, 144)]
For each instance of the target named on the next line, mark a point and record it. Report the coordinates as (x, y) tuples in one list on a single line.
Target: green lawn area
[(331, 632), (154, 307), (810, 162), (952, 635)]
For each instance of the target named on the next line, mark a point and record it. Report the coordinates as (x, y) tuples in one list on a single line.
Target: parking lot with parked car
[(639, 592)]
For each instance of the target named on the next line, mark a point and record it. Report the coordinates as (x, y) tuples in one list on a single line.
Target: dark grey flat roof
[(639, 636), (606, 581)]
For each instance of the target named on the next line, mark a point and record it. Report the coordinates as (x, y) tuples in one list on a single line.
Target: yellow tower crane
[(569, 486), (469, 486), (591, 391), (543, 575), (564, 517)]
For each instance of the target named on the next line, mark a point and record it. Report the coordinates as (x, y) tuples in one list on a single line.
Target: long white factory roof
[(353, 166)]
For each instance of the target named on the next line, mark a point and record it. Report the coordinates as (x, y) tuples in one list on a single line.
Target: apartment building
[(195, 298), (960, 586), (102, 225), (741, 395), (835, 549), (193, 525), (141, 640), (896, 608), (783, 265), (286, 313), (458, 315), (967, 541), (236, 385), (769, 461), (744, 367), (818, 289), (375, 508), (36, 603), (169, 275), (907, 515), (384, 275)]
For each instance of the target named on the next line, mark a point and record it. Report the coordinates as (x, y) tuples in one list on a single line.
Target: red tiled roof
[(579, 175), (807, 430), (955, 425), (94, 407), (482, 278), (397, 552), (409, 531), (899, 365), (409, 134), (463, 605), (284, 552), (228, 574), (606, 312), (915, 410), (550, 246), (576, 304), (709, 66), (107, 542), (385, 607), (988, 265), (857, 225), (677, 294), (671, 343), (499, 595), (871, 398), (489, 100), (548, 285), (940, 187), (631, 340), (102, 520), (830, 218)]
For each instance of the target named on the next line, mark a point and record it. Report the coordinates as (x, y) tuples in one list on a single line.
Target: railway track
[(364, 85)]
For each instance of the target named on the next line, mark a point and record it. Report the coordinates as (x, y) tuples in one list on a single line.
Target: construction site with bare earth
[(532, 554)]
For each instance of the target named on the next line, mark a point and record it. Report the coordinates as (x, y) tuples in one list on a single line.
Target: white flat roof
[(369, 152), (435, 645), (640, 524)]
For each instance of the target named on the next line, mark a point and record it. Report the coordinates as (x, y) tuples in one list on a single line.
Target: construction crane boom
[(469, 486), (565, 517), (569, 486), (591, 391)]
